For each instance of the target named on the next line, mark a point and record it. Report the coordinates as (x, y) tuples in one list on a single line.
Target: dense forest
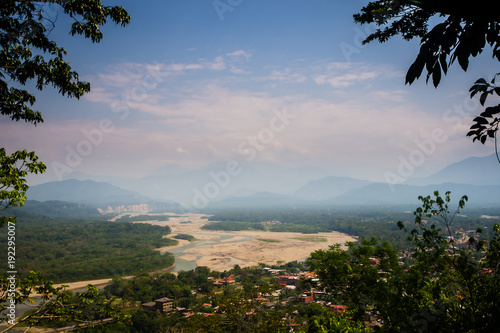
[(446, 285), (185, 237), (66, 250), (76, 249), (55, 208), (356, 221)]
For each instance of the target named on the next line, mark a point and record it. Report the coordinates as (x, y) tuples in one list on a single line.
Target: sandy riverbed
[(265, 247)]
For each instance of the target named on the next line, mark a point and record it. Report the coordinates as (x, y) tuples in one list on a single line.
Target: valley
[(221, 250), (249, 166)]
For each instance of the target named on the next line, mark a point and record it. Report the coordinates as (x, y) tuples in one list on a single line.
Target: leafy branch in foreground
[(451, 282), (13, 187), (486, 124), (57, 304), (28, 55), (461, 30)]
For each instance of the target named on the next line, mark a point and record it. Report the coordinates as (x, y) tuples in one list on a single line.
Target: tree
[(58, 304), (13, 170), (463, 30), (356, 282), (334, 323), (28, 55), (448, 287)]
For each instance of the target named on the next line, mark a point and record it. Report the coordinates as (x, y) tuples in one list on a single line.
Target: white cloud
[(240, 53), (341, 75), (286, 75), (100, 94), (182, 67), (217, 65), (236, 70), (120, 75), (344, 80), (189, 120), (212, 123), (398, 96), (128, 79)]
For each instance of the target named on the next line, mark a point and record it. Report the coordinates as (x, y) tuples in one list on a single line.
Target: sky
[(286, 82)]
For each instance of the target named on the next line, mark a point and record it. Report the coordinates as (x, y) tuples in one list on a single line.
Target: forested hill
[(67, 250), (56, 208), (87, 191), (106, 197)]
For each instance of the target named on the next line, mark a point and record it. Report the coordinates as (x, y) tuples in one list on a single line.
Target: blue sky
[(197, 82)]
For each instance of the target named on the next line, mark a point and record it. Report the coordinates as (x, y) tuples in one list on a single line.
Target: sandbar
[(268, 248)]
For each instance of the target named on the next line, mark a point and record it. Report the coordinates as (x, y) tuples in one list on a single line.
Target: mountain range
[(259, 185), (473, 171), (104, 197)]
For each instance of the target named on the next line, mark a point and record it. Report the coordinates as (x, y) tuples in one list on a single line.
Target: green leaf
[(483, 97), (463, 60), (436, 76), (415, 70), (442, 61), (481, 120)]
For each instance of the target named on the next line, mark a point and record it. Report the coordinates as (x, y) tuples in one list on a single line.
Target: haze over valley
[(268, 185), (249, 166)]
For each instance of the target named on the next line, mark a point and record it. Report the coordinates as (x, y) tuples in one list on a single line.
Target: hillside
[(86, 191), (473, 170), (382, 193), (328, 187), (104, 196)]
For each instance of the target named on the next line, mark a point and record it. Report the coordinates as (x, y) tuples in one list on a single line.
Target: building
[(304, 298), (288, 280), (163, 304), (338, 308), (225, 281)]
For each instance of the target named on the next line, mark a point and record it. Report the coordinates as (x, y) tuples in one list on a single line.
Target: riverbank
[(246, 248), (221, 250)]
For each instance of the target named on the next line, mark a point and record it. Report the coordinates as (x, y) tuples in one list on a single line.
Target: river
[(187, 265)]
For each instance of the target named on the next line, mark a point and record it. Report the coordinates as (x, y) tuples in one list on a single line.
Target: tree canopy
[(27, 54), (448, 284), (460, 30)]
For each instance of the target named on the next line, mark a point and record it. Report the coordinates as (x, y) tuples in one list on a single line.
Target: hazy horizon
[(286, 83)]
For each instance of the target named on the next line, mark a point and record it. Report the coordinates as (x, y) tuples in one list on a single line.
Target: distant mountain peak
[(80, 191), (329, 187), (104, 196), (473, 170)]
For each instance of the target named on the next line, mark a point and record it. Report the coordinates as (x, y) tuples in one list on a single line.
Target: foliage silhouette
[(27, 54), (449, 285), (463, 31)]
